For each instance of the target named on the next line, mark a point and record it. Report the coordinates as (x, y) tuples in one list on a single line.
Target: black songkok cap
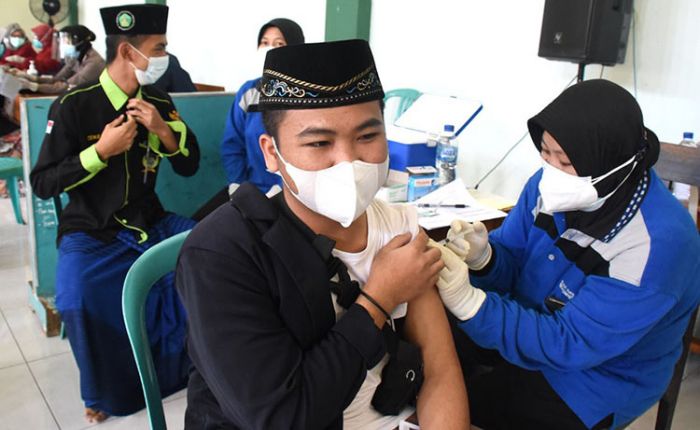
[(135, 19), (319, 75)]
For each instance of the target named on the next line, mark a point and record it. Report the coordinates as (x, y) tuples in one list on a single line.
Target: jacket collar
[(295, 244), (117, 97)]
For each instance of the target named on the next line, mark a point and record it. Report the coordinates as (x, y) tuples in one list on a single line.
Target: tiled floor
[(39, 388), (39, 379)]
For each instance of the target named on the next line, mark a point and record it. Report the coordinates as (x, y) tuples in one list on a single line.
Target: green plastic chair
[(12, 171), (146, 270), (394, 109)]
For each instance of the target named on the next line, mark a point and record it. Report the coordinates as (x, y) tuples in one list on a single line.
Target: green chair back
[(11, 170), (397, 101), (146, 270)]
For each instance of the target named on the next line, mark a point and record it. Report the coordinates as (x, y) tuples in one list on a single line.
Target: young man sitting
[(291, 300)]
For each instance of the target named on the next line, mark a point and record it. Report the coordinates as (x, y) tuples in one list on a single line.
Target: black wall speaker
[(586, 31)]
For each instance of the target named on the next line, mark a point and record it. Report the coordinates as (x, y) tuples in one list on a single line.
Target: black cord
[(476, 187), (375, 303)]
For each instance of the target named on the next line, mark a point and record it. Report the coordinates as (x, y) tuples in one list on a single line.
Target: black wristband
[(375, 303)]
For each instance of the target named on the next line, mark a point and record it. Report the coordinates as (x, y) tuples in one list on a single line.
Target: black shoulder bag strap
[(402, 376)]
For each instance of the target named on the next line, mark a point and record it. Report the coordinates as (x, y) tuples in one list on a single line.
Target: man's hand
[(456, 292), (15, 59), (117, 137), (470, 242), (402, 270), (147, 115)]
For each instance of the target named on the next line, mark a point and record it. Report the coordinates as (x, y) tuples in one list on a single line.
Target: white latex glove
[(457, 293), (470, 242)]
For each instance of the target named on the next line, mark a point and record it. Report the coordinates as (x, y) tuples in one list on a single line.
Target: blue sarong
[(89, 282)]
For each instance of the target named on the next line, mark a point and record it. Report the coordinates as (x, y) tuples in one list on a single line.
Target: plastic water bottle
[(682, 191), (446, 155), (688, 139), (32, 71)]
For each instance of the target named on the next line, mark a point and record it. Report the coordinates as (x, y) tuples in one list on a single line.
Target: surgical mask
[(563, 192), (16, 42), (69, 51), (155, 69), (36, 43), (341, 192), (260, 58)]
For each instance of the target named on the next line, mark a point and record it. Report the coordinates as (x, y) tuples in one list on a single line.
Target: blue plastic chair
[(404, 98), (146, 270), (12, 171)]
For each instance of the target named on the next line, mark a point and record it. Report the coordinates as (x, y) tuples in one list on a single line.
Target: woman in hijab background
[(240, 152), (83, 64), (45, 61), (580, 299), (18, 51)]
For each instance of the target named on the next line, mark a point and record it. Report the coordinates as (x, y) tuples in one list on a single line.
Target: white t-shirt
[(384, 222)]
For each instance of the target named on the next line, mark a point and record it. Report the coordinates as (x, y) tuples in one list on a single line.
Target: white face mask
[(155, 69), (341, 192), (17, 42), (260, 55), (563, 192)]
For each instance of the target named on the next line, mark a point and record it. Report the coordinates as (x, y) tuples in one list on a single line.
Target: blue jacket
[(240, 151), (613, 346)]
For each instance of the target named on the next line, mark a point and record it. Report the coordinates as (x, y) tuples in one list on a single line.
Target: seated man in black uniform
[(103, 145), (292, 300)]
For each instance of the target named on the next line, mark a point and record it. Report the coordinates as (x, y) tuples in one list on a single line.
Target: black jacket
[(267, 351), (115, 197)]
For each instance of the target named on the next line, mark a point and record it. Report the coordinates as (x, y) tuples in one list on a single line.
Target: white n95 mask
[(155, 69), (563, 192), (341, 192)]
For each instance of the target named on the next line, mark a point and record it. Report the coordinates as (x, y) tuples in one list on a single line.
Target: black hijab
[(291, 31), (81, 37), (599, 126)]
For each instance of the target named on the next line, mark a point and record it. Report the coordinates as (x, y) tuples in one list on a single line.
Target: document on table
[(453, 193), (9, 87)]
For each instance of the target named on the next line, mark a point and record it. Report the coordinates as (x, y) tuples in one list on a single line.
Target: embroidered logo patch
[(125, 20), (566, 291), (49, 126), (174, 115)]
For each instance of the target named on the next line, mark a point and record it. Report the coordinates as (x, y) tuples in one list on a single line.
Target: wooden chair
[(679, 164)]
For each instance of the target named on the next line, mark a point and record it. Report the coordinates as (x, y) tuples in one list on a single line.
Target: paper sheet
[(9, 87), (453, 193)]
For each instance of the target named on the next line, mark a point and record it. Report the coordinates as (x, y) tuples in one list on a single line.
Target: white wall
[(488, 51), (215, 40), (470, 48), (17, 11)]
